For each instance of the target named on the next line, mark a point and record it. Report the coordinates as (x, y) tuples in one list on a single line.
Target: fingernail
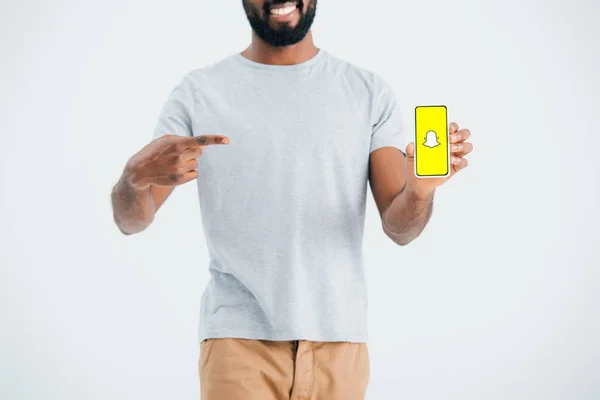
[(454, 160), (454, 147), (225, 140)]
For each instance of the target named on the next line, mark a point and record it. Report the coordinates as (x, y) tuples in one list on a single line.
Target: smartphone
[(432, 147)]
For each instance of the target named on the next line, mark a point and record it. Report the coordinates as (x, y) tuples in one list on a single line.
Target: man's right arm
[(134, 209), (151, 175)]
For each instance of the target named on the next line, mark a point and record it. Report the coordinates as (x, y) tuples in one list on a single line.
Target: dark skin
[(151, 175), (404, 201)]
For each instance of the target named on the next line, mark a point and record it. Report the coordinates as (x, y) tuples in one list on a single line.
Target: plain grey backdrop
[(498, 299)]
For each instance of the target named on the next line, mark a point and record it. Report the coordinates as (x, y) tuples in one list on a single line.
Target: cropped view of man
[(284, 140)]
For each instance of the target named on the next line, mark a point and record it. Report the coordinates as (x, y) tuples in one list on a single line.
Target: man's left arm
[(404, 201)]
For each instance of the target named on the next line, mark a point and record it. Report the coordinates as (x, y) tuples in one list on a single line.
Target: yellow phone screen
[(432, 156)]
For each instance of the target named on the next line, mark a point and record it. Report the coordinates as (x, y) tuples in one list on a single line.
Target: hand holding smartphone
[(432, 147)]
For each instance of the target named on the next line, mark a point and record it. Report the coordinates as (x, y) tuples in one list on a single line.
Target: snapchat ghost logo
[(431, 140)]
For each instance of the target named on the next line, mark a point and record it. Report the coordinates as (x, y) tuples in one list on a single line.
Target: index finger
[(206, 140), (453, 127)]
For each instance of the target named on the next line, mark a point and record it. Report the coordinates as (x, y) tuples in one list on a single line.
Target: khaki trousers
[(241, 369)]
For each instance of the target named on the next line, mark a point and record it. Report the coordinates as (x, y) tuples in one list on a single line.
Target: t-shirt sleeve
[(387, 121), (177, 114)]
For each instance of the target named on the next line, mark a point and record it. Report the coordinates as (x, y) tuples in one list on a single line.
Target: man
[(282, 140)]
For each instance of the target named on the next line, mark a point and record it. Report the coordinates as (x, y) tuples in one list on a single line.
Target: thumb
[(410, 150)]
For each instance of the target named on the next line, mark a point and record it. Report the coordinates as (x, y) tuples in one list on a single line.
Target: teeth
[(284, 10)]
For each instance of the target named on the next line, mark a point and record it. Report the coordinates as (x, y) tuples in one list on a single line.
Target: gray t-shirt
[(283, 204)]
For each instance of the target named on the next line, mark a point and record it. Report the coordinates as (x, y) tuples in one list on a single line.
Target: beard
[(283, 35)]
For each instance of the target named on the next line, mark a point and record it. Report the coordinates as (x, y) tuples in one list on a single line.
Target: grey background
[(498, 299)]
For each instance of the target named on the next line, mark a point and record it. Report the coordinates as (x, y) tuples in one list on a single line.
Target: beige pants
[(240, 369)]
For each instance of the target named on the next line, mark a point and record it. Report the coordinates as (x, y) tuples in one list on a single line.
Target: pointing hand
[(169, 160)]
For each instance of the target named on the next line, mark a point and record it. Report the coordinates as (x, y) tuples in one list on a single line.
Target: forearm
[(133, 209), (407, 215)]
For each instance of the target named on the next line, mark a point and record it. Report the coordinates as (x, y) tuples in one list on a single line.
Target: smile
[(283, 9)]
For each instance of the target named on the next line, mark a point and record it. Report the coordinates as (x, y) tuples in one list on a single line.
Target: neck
[(262, 52)]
